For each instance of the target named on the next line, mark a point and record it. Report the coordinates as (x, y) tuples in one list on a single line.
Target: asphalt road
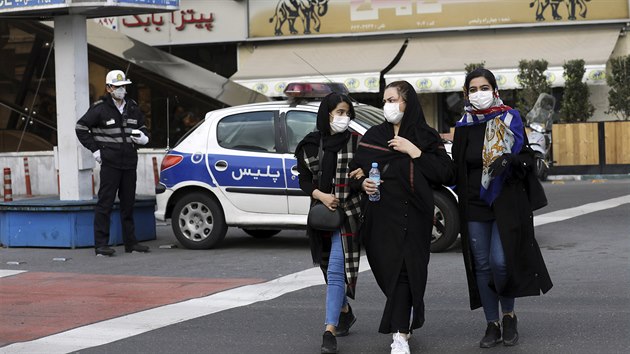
[(587, 311)]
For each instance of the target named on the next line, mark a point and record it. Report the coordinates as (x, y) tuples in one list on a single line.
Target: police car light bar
[(314, 90)]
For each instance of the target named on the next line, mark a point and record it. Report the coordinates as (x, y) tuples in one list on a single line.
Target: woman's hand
[(356, 174), (369, 186), (405, 146), (329, 200)]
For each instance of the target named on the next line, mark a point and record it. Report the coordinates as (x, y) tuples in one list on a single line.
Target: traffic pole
[(8, 193), (156, 174), (27, 178)]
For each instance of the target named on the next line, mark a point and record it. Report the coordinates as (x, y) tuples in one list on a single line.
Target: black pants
[(401, 304), (114, 181)]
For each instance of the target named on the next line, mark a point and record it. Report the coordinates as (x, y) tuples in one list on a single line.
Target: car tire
[(261, 233), (445, 222), (198, 221)]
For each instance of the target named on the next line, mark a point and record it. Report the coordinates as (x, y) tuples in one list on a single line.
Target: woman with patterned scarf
[(501, 255), (397, 229), (338, 252)]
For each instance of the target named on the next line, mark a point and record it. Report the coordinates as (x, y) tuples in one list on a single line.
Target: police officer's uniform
[(104, 128)]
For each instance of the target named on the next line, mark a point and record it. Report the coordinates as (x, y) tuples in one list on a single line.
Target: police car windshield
[(368, 116)]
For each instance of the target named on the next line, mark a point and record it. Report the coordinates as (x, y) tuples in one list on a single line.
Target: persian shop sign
[(29, 4), (308, 17)]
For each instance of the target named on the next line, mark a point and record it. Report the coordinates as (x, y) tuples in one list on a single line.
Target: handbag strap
[(320, 154)]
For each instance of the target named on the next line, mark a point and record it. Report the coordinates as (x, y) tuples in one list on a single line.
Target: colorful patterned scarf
[(504, 135)]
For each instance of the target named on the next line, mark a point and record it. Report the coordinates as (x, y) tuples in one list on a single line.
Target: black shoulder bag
[(319, 216)]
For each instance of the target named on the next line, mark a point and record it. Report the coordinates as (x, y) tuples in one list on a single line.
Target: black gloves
[(500, 164)]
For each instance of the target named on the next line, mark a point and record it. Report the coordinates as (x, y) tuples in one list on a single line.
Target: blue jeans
[(485, 244), (336, 290)]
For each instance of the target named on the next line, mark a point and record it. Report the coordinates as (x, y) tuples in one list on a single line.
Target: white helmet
[(116, 78)]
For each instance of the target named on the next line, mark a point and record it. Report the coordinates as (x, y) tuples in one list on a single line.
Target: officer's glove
[(138, 137), (499, 165), (97, 156)]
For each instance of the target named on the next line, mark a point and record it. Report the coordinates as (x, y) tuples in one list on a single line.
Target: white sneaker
[(400, 344)]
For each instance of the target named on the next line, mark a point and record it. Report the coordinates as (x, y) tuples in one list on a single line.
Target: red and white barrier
[(156, 174), (27, 178), (8, 192)]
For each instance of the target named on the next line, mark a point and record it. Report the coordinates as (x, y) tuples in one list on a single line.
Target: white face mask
[(392, 112), (339, 124), (481, 99), (119, 93)]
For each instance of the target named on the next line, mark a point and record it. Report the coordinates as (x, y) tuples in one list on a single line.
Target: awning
[(436, 62), (170, 67), (268, 67)]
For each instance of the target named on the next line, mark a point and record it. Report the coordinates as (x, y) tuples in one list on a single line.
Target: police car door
[(298, 123), (248, 168)]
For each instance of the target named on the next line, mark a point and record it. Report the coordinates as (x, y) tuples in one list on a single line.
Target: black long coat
[(397, 229), (527, 273)]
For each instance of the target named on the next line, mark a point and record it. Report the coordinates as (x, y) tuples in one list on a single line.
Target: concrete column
[(71, 77)]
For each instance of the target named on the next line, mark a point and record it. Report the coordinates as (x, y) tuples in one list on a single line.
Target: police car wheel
[(198, 221), (261, 233), (445, 222)]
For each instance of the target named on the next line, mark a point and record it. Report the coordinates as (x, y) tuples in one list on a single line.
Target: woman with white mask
[(330, 181), (501, 254), (396, 231)]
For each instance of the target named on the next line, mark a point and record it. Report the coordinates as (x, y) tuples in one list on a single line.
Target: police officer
[(112, 129)]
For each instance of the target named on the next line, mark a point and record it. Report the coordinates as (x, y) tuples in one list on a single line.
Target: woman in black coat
[(501, 255), (331, 182), (396, 231)]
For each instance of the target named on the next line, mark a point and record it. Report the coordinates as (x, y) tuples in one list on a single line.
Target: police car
[(236, 169)]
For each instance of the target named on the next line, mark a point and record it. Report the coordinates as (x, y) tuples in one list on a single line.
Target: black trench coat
[(527, 273), (398, 229)]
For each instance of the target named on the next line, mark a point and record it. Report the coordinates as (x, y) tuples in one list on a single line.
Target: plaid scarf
[(504, 135), (350, 202)]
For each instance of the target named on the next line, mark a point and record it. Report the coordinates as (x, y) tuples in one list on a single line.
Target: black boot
[(329, 343), (492, 337), (510, 334), (346, 320)]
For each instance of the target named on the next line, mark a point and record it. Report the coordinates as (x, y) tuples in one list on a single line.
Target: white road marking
[(9, 272), (137, 323), (564, 214)]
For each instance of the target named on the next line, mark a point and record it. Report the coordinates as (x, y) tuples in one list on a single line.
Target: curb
[(586, 177)]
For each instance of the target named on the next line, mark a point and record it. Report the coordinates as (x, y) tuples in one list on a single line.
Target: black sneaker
[(510, 334), (329, 343), (492, 337), (137, 248), (104, 251), (346, 320)]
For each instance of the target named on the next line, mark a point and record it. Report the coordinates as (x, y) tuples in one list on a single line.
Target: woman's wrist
[(415, 153)]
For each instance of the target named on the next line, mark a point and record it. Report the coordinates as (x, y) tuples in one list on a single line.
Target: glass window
[(299, 123), (252, 131)]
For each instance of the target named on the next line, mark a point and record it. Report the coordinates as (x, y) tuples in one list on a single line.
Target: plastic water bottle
[(375, 175)]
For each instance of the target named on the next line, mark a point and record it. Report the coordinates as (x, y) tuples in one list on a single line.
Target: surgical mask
[(481, 100), (339, 124), (119, 93), (392, 112)]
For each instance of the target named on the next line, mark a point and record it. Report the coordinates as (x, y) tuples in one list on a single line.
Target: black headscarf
[(413, 127), (331, 143)]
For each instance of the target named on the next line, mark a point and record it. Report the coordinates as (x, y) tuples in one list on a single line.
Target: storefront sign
[(332, 17), (29, 4), (194, 22)]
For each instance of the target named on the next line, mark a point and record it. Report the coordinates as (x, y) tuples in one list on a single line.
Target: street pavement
[(263, 296)]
